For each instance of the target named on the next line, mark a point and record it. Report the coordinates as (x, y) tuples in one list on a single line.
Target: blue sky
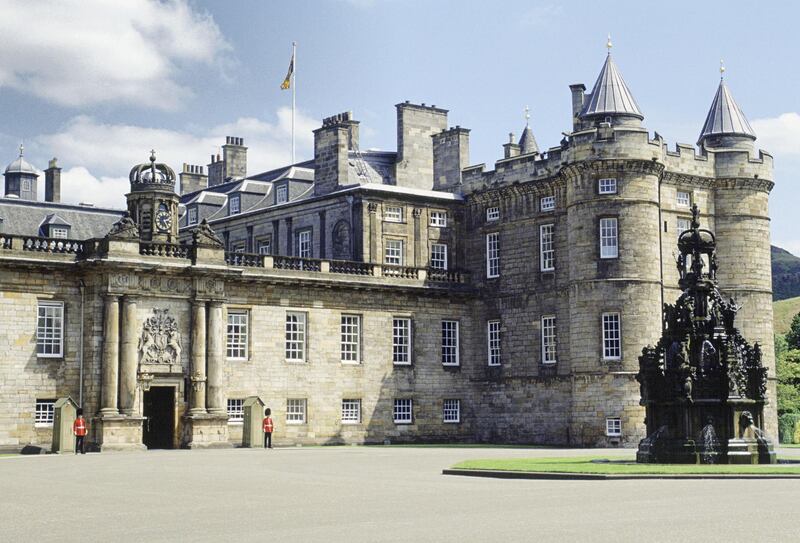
[(99, 83)]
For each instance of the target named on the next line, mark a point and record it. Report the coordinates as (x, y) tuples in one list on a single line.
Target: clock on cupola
[(152, 202)]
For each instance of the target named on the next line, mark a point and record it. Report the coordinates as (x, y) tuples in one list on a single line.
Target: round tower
[(152, 202)]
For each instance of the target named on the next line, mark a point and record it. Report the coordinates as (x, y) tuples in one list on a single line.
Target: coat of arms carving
[(160, 342)]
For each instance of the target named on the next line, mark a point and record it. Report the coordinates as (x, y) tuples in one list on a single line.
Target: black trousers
[(267, 440), (79, 444)]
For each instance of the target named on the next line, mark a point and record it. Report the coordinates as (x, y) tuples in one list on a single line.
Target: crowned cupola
[(152, 202), (726, 125)]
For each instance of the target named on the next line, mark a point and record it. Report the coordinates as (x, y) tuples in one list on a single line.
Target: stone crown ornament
[(148, 176)]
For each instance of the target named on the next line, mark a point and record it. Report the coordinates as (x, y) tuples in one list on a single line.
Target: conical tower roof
[(725, 118), (610, 95), (527, 143)]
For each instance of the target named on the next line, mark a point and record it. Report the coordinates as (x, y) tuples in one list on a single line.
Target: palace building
[(373, 296)]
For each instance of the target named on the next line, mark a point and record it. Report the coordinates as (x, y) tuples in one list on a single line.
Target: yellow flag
[(288, 81)]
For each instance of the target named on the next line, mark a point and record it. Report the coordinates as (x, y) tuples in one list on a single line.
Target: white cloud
[(82, 52), (97, 157), (779, 135)]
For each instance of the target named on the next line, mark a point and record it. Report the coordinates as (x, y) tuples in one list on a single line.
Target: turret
[(527, 143), (21, 178), (726, 126), (152, 202)]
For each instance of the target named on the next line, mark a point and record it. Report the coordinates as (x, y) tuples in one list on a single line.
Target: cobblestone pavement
[(368, 494)]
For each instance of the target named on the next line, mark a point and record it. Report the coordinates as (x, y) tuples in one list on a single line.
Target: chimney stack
[(578, 97), (52, 182)]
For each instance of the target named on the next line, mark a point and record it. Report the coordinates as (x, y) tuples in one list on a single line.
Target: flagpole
[(294, 85)]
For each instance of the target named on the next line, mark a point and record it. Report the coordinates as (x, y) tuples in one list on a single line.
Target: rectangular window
[(614, 427), (265, 246), (393, 214), (608, 238), (547, 203), (450, 343), (27, 186), (192, 219), (393, 252), (493, 342), (50, 330), (439, 256), (60, 233), (548, 340), (612, 345), (403, 411), (493, 255), (438, 219), (281, 194), (235, 410), (401, 341), (45, 411), (607, 186), (238, 248), (295, 336), (351, 411), (547, 250), (295, 411), (492, 214), (304, 244), (451, 411), (684, 199), (234, 206), (683, 225), (351, 339), (237, 335)]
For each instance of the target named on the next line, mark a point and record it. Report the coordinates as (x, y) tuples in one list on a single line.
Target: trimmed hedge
[(789, 428)]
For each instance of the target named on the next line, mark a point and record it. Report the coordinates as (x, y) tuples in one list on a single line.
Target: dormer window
[(282, 194), (60, 232), (192, 219), (235, 205)]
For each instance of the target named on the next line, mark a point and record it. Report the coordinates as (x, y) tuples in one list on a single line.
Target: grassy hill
[(784, 312), (785, 274)]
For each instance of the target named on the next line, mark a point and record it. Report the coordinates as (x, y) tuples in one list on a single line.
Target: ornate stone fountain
[(703, 386)]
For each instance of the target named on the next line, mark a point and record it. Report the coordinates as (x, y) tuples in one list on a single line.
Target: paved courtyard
[(368, 494)]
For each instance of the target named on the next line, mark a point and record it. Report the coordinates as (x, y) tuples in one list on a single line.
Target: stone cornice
[(544, 187), (617, 165), (752, 183)]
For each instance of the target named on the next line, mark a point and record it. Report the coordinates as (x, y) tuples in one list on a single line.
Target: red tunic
[(268, 425), (79, 427)]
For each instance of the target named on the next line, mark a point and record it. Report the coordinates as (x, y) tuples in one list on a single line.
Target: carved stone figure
[(124, 228), (204, 235), (160, 342)]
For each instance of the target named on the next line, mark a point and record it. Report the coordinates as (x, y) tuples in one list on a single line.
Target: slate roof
[(725, 118), (20, 165), (25, 218), (610, 94), (527, 143)]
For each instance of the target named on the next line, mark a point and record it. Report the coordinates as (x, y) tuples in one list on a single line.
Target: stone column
[(323, 238), (198, 378), (110, 375), (372, 208), (216, 330), (128, 360), (417, 237)]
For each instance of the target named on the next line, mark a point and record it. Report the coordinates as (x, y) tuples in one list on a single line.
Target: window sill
[(295, 361), (351, 423), (403, 422), (450, 365), (237, 359), (236, 422), (451, 421), (402, 364), (295, 423), (349, 363), (42, 424), (494, 365), (50, 356)]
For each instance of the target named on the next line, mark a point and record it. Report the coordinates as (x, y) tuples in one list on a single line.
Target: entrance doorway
[(159, 413)]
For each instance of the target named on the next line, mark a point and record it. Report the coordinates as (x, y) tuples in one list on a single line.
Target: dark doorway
[(159, 413)]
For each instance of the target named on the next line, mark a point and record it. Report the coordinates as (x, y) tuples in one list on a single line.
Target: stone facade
[(548, 342)]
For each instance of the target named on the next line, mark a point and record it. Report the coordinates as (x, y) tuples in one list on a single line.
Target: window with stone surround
[(50, 329), (296, 411), (607, 185), (612, 337), (493, 255), (439, 256), (451, 411), (493, 342), (351, 411), (235, 410), (547, 248), (295, 336), (393, 252), (351, 339), (548, 339), (192, 216), (614, 427), (45, 412), (547, 203), (450, 343), (403, 412), (401, 341), (682, 225), (438, 219), (235, 205), (684, 199), (492, 214), (609, 242), (236, 347), (281, 194), (265, 246), (393, 214), (303, 245)]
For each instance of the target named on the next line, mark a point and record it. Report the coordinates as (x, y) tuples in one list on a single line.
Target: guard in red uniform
[(80, 429), (268, 427)]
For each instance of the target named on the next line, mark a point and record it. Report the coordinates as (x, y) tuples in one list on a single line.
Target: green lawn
[(584, 464), (784, 311)]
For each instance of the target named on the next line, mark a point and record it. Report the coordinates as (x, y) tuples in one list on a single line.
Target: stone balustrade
[(169, 250)]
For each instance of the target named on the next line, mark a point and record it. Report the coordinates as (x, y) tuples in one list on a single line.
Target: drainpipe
[(81, 286)]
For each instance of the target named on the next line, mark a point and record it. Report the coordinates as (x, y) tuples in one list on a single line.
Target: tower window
[(493, 255), (27, 186), (492, 214), (684, 199), (614, 427), (607, 185), (547, 252), (548, 339), (609, 243), (547, 203), (612, 337), (493, 342)]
